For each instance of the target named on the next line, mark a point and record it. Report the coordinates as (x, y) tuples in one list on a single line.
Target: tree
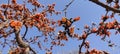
[(14, 17)]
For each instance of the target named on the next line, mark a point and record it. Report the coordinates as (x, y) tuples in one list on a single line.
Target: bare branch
[(83, 42), (32, 50), (25, 31), (105, 6), (68, 5)]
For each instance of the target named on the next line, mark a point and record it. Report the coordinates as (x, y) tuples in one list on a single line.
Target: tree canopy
[(18, 17)]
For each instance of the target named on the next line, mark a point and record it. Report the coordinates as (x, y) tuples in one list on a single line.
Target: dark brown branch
[(32, 50), (10, 32), (25, 32), (83, 42), (5, 12), (105, 6), (80, 46)]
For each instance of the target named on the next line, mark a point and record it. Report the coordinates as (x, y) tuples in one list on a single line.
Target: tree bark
[(23, 44)]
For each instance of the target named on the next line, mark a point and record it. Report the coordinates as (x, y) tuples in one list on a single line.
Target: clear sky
[(89, 12)]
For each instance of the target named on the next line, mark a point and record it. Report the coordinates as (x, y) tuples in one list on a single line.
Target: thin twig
[(67, 7), (6, 11), (83, 42), (80, 46)]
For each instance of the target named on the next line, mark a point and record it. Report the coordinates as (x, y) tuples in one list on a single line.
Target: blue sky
[(89, 12)]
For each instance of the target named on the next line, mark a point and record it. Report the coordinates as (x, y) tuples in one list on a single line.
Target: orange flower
[(86, 26), (12, 23), (64, 20), (108, 33), (68, 23), (104, 18), (94, 30), (15, 24), (14, 1), (76, 36), (95, 51), (53, 42), (48, 52), (71, 30), (116, 5), (110, 25), (19, 24), (84, 36), (87, 44), (59, 23), (76, 19), (62, 36), (38, 25)]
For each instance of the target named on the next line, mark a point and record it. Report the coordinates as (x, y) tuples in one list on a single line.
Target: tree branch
[(80, 46), (68, 5), (32, 50), (5, 12), (19, 40), (2, 25), (25, 31), (21, 43), (83, 42), (105, 6)]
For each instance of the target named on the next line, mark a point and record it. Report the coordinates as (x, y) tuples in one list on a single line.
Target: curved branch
[(25, 31), (21, 43), (19, 40), (80, 46), (83, 42), (105, 6)]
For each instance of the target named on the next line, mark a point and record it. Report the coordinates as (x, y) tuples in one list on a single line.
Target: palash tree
[(14, 16)]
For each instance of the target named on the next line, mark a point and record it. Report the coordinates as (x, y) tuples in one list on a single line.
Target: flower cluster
[(66, 23), (16, 24), (95, 51), (35, 3), (62, 36)]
